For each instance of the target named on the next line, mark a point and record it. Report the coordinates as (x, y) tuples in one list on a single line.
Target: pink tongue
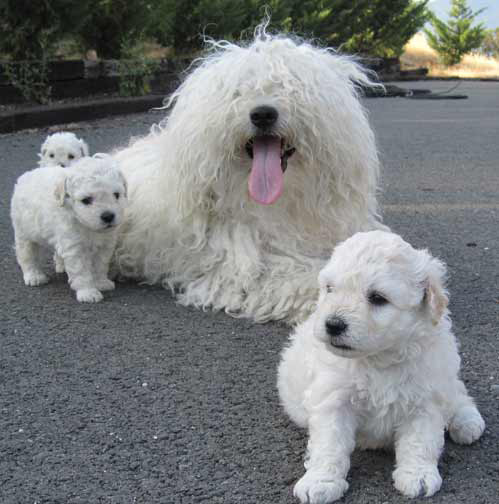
[(265, 182)]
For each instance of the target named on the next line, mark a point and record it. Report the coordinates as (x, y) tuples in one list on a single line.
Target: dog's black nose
[(264, 116), (107, 217), (335, 326)]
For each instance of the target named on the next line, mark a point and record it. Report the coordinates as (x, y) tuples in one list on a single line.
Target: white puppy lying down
[(62, 149), (75, 211), (376, 365)]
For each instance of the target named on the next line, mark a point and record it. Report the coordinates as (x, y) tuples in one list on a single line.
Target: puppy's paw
[(34, 278), (105, 285), (319, 488), (466, 426), (422, 481), (89, 296)]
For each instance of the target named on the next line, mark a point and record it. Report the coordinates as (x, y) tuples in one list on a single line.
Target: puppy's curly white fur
[(266, 160), (76, 212), (376, 365), (62, 149)]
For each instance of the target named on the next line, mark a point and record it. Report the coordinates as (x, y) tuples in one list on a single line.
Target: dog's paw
[(89, 296), (34, 278), (466, 426), (417, 481), (319, 489), (105, 285)]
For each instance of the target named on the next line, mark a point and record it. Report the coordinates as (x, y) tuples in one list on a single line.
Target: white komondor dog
[(265, 162), (376, 365)]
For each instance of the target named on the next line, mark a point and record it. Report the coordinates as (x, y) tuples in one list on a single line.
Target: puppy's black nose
[(107, 217), (335, 326), (264, 116)]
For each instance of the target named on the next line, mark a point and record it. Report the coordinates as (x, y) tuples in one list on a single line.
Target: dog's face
[(376, 293), (95, 191), (272, 107), (62, 149)]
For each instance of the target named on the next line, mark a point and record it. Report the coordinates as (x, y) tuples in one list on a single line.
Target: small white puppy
[(376, 365), (62, 149), (75, 211)]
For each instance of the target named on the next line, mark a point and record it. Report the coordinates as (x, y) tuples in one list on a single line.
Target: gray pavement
[(139, 400)]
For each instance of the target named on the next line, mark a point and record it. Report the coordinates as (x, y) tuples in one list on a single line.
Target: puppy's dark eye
[(329, 289), (376, 299), (87, 201), (70, 156), (51, 155), (117, 195)]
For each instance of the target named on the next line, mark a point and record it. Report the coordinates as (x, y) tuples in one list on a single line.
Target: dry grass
[(417, 53)]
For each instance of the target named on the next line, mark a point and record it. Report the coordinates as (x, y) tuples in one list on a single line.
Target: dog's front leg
[(101, 261), (79, 269), (331, 442), (418, 445)]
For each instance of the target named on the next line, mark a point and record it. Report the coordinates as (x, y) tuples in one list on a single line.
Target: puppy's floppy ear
[(83, 148), (435, 296), (125, 184), (60, 192)]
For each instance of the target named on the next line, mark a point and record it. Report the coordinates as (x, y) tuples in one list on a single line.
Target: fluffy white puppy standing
[(62, 149), (376, 365), (76, 212), (266, 159)]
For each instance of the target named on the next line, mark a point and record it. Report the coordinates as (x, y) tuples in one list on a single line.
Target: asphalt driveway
[(139, 400)]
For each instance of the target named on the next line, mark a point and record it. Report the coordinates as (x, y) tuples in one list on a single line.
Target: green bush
[(108, 23), (30, 78), (135, 71), (182, 25), (374, 27), (29, 32)]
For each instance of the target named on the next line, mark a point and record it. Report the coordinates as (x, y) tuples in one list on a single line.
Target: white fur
[(398, 383), (48, 210), (62, 149), (191, 223)]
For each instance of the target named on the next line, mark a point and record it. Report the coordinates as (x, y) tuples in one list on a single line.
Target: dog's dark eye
[(117, 195), (376, 299), (329, 289), (70, 156), (87, 201), (51, 155)]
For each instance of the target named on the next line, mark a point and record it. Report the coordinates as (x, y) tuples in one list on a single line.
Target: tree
[(110, 24), (490, 44), (375, 27), (456, 38), (182, 25)]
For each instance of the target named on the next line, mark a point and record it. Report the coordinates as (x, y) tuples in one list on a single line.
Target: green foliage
[(30, 78), (108, 22), (375, 27), (29, 32), (458, 37), (29, 29), (135, 70), (182, 25), (490, 44)]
